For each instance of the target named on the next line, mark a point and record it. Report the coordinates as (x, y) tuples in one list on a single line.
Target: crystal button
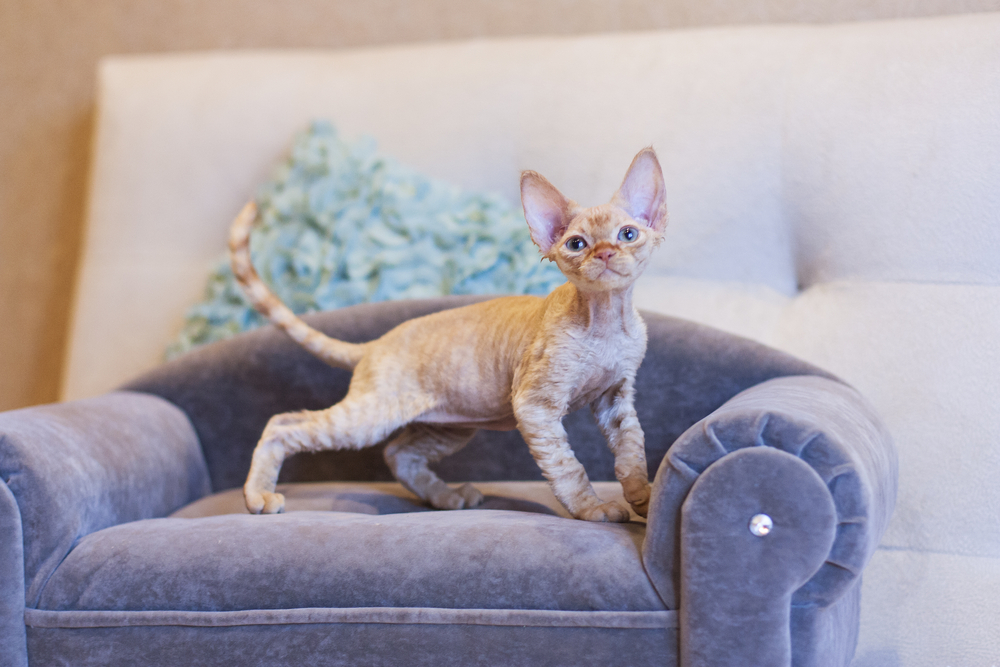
[(761, 524)]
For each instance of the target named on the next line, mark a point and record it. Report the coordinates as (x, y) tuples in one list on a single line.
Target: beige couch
[(834, 192)]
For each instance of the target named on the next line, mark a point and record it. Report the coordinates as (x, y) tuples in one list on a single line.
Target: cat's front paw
[(607, 512), (641, 507), (637, 494), (263, 501)]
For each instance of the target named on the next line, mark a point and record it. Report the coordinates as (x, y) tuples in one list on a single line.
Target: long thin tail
[(334, 352)]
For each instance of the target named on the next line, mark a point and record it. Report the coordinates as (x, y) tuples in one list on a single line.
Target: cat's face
[(602, 248)]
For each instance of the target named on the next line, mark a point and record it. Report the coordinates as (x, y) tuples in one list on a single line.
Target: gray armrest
[(71, 469), (12, 632), (826, 447)]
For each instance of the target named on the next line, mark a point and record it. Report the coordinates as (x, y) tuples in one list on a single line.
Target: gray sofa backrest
[(230, 389)]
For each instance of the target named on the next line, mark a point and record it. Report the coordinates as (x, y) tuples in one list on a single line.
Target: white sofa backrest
[(892, 152), (792, 155)]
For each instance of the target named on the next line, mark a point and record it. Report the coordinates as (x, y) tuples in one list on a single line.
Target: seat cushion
[(392, 498), (467, 559)]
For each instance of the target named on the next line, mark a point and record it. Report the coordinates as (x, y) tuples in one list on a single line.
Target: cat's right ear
[(643, 193), (545, 209)]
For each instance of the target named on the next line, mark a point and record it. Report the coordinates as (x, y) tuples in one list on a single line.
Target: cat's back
[(519, 311), (493, 329), (462, 360)]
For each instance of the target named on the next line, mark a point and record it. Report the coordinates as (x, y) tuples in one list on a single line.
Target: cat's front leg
[(540, 422), (614, 411)]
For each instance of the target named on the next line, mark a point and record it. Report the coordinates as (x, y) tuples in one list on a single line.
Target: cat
[(519, 362)]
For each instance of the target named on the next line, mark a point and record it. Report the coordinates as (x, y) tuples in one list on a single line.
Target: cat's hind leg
[(353, 423), (418, 445)]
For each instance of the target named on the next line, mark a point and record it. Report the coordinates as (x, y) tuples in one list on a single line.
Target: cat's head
[(602, 248)]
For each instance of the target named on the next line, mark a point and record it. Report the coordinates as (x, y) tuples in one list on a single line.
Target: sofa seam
[(87, 619)]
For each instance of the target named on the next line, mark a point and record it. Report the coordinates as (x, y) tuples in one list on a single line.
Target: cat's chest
[(599, 363)]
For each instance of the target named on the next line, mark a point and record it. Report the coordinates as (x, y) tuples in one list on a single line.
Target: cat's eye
[(628, 234), (576, 244)]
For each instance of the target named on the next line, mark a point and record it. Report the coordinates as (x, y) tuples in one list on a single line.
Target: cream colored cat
[(515, 362)]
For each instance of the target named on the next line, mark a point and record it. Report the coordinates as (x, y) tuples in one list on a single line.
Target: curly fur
[(515, 362)]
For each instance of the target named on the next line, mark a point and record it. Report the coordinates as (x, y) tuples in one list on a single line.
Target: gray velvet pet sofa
[(123, 540)]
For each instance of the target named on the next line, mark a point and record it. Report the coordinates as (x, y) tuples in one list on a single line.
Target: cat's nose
[(605, 254)]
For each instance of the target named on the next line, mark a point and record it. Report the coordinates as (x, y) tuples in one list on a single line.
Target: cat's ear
[(643, 194), (545, 209)]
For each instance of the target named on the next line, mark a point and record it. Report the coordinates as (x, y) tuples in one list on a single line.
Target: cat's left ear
[(545, 209), (642, 194)]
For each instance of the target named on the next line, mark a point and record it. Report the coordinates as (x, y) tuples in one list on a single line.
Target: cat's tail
[(334, 352)]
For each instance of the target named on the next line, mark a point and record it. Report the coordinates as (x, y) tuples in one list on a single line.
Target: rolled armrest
[(824, 424), (71, 469), (12, 631), (736, 583)]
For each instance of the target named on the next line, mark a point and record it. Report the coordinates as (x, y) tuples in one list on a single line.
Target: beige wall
[(48, 52)]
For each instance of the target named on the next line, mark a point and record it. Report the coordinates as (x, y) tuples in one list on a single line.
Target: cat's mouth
[(605, 270), (605, 277)]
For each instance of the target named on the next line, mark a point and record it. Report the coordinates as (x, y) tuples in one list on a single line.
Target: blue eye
[(628, 234), (576, 244)]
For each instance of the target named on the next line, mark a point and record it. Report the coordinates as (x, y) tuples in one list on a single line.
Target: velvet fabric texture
[(354, 645), (736, 587), (833, 430), (393, 498), (12, 635), (484, 559), (230, 389), (73, 469), (128, 559), (76, 468)]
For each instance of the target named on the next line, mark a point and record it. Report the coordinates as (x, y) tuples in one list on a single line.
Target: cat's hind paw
[(471, 495), (464, 497), (608, 512), (273, 503), (264, 502)]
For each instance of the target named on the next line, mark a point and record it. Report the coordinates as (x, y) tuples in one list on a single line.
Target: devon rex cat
[(515, 362)]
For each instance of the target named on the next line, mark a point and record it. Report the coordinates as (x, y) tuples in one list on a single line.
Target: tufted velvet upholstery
[(136, 549)]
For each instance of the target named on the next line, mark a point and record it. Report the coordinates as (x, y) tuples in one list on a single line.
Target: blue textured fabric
[(341, 224)]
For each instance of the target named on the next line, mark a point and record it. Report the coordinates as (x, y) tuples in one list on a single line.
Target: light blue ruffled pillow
[(341, 224)]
